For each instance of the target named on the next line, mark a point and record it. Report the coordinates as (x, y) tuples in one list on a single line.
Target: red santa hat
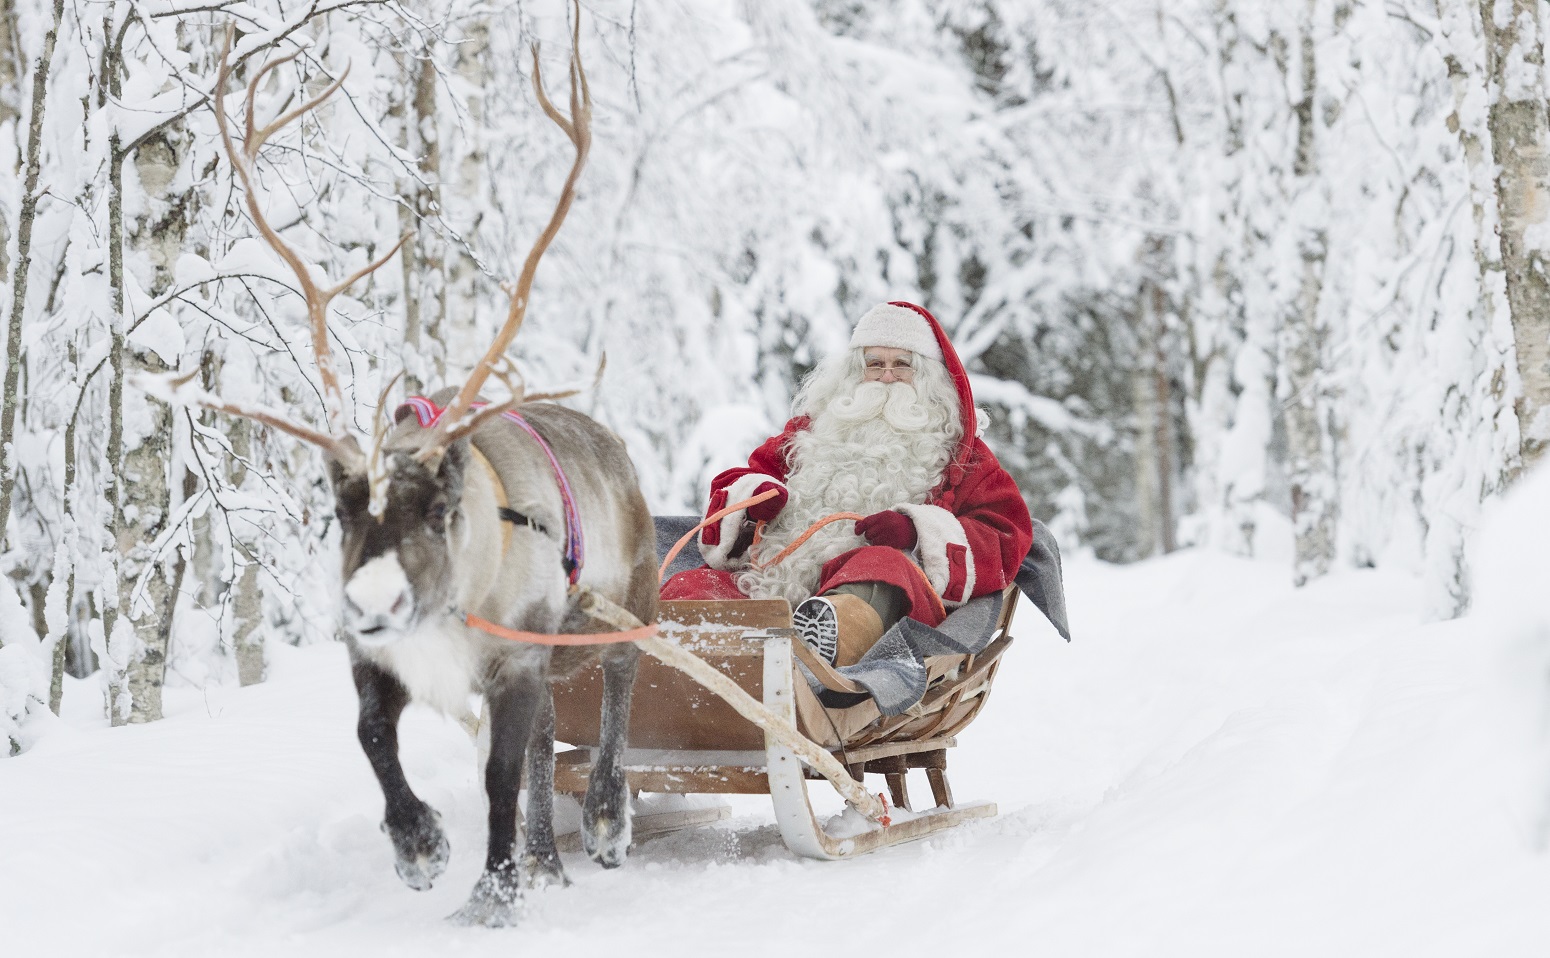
[(898, 326), (901, 325)]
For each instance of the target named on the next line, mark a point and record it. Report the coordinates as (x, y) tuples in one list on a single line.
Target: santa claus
[(887, 429)]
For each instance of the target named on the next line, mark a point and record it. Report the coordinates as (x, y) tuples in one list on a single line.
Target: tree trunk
[(10, 70), (158, 237), (423, 262), (1234, 339), (247, 626), (471, 194), (141, 496), (1144, 398), (1302, 341), (118, 639), (1514, 57), (1463, 50), (1162, 425), (247, 605), (25, 218), (1154, 432)]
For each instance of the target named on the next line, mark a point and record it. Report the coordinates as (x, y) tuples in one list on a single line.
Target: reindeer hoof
[(421, 849), (543, 871), (606, 838), (495, 901)]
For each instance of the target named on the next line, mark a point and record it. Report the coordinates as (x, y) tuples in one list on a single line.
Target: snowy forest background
[(1254, 276)]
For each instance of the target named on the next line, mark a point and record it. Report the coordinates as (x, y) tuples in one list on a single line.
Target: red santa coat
[(973, 530)]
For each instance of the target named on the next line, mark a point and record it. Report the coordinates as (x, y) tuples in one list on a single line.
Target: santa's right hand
[(768, 509), (744, 539)]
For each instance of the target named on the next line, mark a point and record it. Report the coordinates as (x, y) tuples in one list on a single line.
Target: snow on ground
[(1218, 765)]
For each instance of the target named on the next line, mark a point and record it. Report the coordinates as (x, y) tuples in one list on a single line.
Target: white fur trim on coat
[(717, 556), (896, 327), (944, 552)]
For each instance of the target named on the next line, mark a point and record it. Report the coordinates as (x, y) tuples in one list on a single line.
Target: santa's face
[(884, 364)]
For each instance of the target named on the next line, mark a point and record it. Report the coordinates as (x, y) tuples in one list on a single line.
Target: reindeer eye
[(436, 515)]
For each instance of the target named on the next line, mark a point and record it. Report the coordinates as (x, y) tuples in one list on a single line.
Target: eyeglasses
[(902, 371)]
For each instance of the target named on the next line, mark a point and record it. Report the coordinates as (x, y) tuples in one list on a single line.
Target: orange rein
[(781, 556), (758, 534), (545, 638), (716, 516)]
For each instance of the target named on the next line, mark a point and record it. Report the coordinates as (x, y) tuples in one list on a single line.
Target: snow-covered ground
[(1219, 765)]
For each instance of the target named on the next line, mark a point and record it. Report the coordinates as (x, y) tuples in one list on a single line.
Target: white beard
[(865, 452)]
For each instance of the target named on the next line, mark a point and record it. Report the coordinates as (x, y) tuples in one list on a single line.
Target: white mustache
[(895, 403)]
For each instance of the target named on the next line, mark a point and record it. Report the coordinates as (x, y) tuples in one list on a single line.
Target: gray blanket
[(894, 671)]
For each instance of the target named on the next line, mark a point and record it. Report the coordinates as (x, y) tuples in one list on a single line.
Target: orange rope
[(544, 638), (713, 517), (781, 556), (758, 535)]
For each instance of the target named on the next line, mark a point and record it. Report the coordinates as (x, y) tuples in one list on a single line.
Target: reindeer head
[(399, 506), (398, 568)]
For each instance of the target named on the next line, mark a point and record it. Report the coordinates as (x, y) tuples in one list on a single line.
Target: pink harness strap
[(427, 413)]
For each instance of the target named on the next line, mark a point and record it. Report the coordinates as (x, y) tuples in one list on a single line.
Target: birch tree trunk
[(157, 237), (1144, 396), (226, 567), (1461, 46), (423, 262), (1150, 388), (23, 264), (141, 487), (471, 195), (1233, 337), (1303, 336), (1520, 145), (247, 632), (118, 637), (1162, 425), (10, 69)]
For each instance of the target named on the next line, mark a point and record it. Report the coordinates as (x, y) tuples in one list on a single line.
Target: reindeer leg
[(541, 862), (419, 845), (514, 696), (605, 818)]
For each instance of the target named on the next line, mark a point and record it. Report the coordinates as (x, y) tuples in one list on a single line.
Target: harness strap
[(426, 413), (522, 519)]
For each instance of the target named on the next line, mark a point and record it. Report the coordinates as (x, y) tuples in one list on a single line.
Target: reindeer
[(456, 518)]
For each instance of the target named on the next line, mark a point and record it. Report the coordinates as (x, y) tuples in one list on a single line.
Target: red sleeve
[(974, 533), (996, 522), (768, 462)]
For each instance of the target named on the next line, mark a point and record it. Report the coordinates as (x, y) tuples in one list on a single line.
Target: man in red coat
[(887, 429)]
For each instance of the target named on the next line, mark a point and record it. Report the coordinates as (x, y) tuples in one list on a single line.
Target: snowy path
[(1217, 766)]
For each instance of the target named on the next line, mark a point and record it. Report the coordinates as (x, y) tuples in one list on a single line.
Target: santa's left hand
[(893, 529)]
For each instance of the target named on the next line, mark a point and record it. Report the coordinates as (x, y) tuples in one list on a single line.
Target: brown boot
[(841, 627), (860, 627)]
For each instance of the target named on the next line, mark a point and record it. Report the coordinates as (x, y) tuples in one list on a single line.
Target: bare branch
[(179, 389), (317, 298)]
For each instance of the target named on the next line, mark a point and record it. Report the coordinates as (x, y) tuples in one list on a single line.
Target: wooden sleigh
[(685, 739)]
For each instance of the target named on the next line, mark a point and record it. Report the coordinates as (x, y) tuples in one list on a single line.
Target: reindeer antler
[(337, 441), (452, 425)]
